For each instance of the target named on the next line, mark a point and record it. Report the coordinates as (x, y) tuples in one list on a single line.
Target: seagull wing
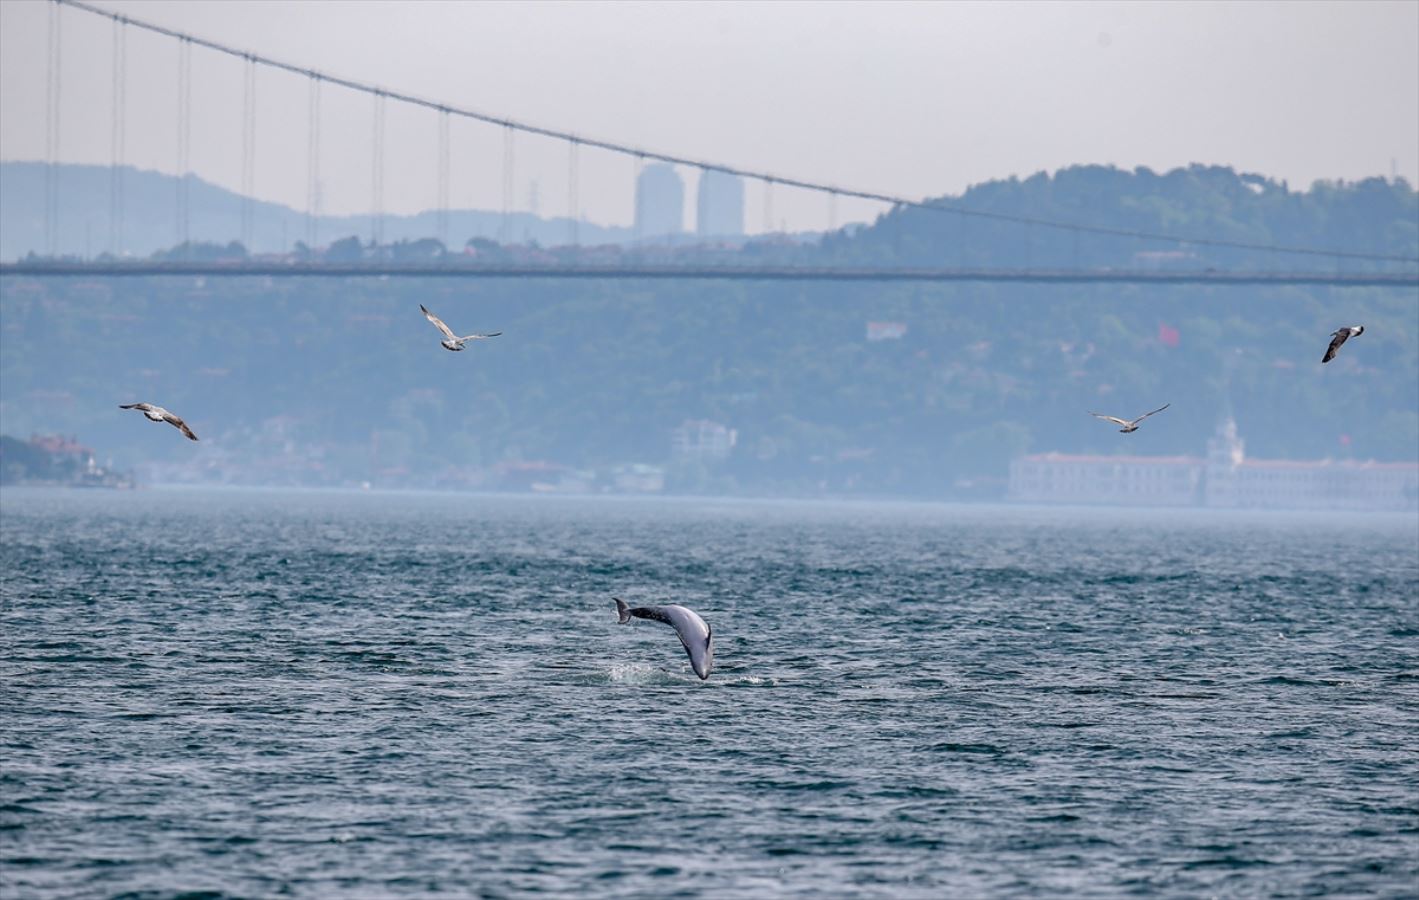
[(141, 406), (180, 425), (1113, 419), (475, 337), (438, 323), (1336, 340), (1146, 415)]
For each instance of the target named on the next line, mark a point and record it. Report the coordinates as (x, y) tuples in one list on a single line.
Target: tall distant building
[(720, 209), (660, 202)]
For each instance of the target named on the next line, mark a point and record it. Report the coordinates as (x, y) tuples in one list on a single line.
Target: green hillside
[(329, 381)]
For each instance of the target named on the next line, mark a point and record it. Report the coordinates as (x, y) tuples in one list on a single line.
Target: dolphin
[(694, 632)]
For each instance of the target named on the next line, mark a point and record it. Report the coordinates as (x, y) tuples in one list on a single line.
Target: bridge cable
[(53, 82), (769, 206), (505, 229), (117, 138), (312, 199), (573, 202), (638, 165), (248, 152), (443, 177), (675, 159), (184, 142), (377, 173)]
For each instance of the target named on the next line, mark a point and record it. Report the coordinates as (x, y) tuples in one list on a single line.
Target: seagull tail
[(622, 610)]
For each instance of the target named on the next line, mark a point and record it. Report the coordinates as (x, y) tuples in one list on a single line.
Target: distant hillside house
[(55, 460), (1225, 479), (886, 331), (700, 440)]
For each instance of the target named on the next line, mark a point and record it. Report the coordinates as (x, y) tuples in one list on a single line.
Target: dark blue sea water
[(367, 695)]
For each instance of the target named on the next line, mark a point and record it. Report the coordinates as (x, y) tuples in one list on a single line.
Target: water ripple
[(254, 694)]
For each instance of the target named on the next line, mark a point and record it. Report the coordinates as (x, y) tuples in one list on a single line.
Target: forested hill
[(327, 381), (1374, 216)]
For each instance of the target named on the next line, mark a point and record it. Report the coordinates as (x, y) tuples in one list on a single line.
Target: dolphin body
[(694, 632)]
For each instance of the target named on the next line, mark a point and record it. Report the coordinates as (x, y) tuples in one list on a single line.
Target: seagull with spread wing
[(1341, 337), (452, 341), (158, 414), (1129, 425)]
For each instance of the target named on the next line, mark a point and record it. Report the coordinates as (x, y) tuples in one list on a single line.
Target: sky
[(911, 99)]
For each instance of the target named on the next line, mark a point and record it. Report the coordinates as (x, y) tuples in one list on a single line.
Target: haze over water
[(366, 695)]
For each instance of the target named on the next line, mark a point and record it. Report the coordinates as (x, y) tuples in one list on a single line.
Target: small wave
[(634, 673), (648, 673), (951, 747), (18, 808), (748, 681), (1226, 861)]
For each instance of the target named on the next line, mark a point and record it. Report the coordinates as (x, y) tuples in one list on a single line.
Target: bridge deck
[(705, 272)]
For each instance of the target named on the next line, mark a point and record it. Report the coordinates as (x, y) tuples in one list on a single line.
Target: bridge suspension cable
[(377, 172), (573, 203), (638, 165), (115, 170), (312, 200), (248, 151), (641, 153), (505, 231), (52, 83), (184, 139), (443, 177)]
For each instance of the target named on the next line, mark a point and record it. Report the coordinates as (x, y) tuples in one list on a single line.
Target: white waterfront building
[(1224, 479)]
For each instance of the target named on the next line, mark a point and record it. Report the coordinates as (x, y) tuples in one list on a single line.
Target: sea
[(210, 694)]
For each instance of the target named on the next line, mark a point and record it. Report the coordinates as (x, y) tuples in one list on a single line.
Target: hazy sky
[(916, 99)]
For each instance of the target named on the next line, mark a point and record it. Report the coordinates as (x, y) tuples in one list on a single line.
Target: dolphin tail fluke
[(622, 610)]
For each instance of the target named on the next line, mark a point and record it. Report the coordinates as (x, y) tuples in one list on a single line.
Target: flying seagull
[(694, 632), (1341, 337), (1129, 424), (158, 414), (452, 341)]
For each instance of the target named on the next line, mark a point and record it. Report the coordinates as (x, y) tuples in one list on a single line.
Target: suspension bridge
[(1312, 265), (706, 273)]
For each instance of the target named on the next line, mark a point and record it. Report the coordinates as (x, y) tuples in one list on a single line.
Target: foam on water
[(638, 673)]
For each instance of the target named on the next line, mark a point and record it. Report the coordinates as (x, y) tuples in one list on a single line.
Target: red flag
[(1167, 335)]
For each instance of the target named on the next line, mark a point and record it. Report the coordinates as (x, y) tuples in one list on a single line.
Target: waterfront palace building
[(1224, 479)]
